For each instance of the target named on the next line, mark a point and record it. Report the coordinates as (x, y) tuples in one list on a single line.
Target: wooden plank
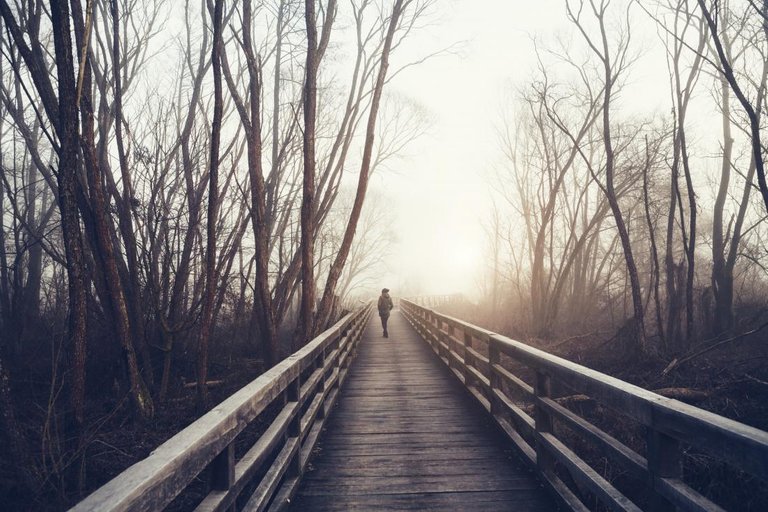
[(629, 459), (404, 427), (478, 356), (522, 421), (566, 497), (514, 380), (424, 483), (522, 445), (261, 496), (251, 462), (524, 501), (684, 497), (155, 481), (586, 475), (740, 445)]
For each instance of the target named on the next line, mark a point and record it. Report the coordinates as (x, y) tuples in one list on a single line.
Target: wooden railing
[(481, 360), (297, 392)]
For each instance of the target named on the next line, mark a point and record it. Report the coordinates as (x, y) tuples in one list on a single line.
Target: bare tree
[(752, 110), (324, 310), (613, 65)]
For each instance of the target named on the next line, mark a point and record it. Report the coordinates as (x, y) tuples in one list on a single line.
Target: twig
[(573, 338), (678, 361)]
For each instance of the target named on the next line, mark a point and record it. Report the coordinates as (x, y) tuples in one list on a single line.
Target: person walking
[(385, 306)]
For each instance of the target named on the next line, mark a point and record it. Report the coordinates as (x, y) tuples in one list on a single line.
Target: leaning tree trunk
[(308, 227), (66, 177), (326, 305), (103, 247), (209, 293), (753, 112)]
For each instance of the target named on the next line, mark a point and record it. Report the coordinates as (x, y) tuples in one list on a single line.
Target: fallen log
[(210, 383), (687, 395)]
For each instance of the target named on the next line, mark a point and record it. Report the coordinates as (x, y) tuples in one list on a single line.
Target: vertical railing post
[(664, 461), (467, 358), (439, 335), (319, 365), (494, 358), (345, 348), (294, 427), (543, 389), (353, 337)]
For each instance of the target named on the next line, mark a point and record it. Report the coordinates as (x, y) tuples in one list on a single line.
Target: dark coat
[(385, 304)]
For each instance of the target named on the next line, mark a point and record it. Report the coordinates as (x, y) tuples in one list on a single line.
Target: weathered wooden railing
[(300, 390), (480, 359)]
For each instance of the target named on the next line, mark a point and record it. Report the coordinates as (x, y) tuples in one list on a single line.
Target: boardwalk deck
[(406, 435)]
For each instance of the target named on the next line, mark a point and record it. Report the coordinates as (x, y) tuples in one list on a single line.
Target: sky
[(441, 190)]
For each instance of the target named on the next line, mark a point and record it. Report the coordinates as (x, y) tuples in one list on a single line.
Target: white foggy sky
[(441, 190), (441, 193)]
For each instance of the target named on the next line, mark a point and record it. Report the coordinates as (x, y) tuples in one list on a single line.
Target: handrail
[(475, 356), (304, 386)]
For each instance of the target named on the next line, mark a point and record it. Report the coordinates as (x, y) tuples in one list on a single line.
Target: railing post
[(543, 389), (343, 349), (468, 358), (439, 335), (664, 461), (319, 365), (294, 427), (494, 358)]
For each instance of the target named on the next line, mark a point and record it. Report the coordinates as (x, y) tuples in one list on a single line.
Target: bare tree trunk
[(308, 225), (722, 282), (262, 313), (654, 279), (724, 260), (637, 330), (209, 293), (752, 111), (326, 305), (67, 130), (104, 248), (125, 222), (672, 335), (194, 198)]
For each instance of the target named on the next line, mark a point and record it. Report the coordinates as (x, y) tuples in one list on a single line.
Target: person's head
[(384, 291)]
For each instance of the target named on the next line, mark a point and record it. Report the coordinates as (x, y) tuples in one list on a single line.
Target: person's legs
[(384, 325)]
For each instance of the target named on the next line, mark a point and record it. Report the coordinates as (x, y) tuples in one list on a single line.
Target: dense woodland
[(645, 226), (184, 185), (182, 182)]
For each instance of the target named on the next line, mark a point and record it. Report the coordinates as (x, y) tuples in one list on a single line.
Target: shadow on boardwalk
[(406, 435)]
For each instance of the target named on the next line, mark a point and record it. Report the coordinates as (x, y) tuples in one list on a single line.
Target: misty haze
[(335, 255)]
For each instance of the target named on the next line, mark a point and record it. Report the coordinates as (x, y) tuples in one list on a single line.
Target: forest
[(185, 202), (182, 183), (610, 217)]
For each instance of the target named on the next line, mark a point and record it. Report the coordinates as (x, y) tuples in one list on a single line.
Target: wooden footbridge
[(442, 415)]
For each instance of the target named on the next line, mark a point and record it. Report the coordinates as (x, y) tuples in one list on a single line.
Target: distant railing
[(437, 301), (475, 356), (304, 386)]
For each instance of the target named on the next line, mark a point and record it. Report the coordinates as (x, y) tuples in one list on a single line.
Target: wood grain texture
[(405, 435)]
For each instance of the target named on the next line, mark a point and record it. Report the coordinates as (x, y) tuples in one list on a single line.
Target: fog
[(442, 188)]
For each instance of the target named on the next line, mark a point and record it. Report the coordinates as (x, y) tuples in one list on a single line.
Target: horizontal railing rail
[(303, 387), (479, 358)]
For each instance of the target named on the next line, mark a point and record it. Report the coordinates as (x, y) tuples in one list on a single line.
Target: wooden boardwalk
[(405, 435)]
